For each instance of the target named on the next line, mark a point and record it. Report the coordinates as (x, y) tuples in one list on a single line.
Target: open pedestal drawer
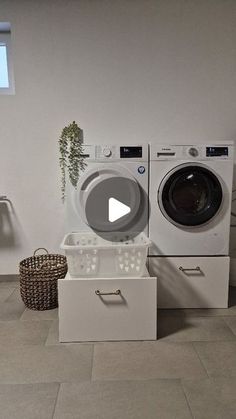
[(103, 309)]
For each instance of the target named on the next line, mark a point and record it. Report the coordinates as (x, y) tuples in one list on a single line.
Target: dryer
[(105, 163), (190, 198)]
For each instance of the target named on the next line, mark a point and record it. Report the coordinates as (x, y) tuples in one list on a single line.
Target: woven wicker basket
[(38, 279)]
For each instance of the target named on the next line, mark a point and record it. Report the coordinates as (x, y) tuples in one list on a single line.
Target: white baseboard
[(9, 278), (232, 273)]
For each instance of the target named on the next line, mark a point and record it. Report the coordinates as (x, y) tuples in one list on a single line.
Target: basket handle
[(40, 248)]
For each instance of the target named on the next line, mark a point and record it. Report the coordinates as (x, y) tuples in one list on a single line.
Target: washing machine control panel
[(217, 151), (192, 152)]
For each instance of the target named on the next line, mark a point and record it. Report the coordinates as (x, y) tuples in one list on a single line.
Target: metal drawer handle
[(189, 269), (117, 292)]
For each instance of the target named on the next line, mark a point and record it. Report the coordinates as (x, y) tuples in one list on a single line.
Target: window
[(6, 70)]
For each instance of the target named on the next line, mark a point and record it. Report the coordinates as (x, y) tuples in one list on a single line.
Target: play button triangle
[(116, 209)]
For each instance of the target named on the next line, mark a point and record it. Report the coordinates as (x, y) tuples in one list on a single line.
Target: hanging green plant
[(71, 155)]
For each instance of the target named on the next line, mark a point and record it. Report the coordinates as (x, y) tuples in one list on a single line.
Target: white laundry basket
[(89, 255)]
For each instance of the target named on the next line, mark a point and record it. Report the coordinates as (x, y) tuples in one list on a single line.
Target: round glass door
[(108, 198), (190, 196)]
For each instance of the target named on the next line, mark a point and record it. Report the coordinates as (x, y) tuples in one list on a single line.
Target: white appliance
[(106, 162), (190, 198), (116, 307)]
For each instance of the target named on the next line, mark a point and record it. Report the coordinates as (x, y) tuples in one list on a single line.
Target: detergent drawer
[(191, 282), (98, 309)]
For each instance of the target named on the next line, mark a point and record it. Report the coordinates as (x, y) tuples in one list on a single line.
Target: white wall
[(127, 71)]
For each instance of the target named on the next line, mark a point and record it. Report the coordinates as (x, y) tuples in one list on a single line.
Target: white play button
[(116, 209)]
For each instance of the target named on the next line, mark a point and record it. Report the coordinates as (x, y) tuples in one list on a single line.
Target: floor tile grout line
[(20, 318), (46, 338), (9, 296), (229, 326), (91, 379), (213, 316), (201, 361), (169, 340), (166, 340), (55, 403), (197, 317), (186, 398)]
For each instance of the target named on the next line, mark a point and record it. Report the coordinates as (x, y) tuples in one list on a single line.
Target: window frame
[(5, 39)]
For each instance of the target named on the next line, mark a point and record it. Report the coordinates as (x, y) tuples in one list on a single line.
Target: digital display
[(217, 151), (130, 152)]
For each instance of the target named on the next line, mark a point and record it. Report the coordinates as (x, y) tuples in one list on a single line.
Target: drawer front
[(191, 282), (107, 309)]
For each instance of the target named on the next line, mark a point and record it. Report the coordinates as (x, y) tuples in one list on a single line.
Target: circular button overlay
[(116, 208)]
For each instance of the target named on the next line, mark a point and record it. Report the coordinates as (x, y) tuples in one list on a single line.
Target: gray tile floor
[(189, 372)]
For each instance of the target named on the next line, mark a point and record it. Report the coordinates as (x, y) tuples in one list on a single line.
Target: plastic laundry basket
[(90, 255)]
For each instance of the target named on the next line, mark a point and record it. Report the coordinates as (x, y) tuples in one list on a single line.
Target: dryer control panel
[(105, 151), (131, 152), (115, 152)]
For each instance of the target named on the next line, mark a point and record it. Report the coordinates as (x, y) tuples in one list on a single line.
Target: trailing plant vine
[(71, 155)]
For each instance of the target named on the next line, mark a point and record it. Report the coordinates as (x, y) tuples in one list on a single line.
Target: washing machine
[(113, 173), (189, 224), (190, 197)]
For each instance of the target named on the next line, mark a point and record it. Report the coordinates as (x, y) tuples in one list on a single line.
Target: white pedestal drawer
[(191, 282), (107, 309)]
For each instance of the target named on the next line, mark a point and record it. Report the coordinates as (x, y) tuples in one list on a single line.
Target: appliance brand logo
[(141, 170)]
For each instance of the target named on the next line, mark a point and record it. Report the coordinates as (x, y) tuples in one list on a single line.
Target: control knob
[(107, 152), (193, 152)]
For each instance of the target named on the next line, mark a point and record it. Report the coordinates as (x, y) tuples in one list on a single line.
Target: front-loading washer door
[(190, 195), (96, 187)]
